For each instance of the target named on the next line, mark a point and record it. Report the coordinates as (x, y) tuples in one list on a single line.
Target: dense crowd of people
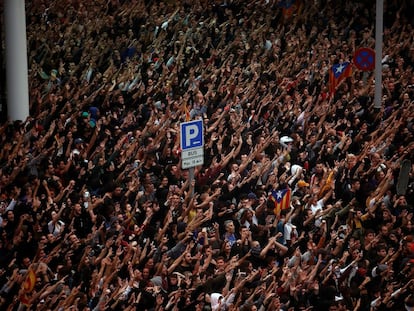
[(98, 214)]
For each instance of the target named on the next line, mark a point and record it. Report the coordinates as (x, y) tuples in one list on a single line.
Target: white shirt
[(318, 206), (55, 228)]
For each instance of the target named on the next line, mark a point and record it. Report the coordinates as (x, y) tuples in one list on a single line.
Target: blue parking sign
[(192, 134)]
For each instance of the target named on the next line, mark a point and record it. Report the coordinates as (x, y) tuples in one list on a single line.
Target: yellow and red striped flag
[(28, 286), (30, 281), (187, 113)]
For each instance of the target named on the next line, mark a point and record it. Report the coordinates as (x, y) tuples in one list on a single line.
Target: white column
[(17, 90)]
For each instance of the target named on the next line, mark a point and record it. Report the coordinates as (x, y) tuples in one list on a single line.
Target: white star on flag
[(340, 68), (279, 194)]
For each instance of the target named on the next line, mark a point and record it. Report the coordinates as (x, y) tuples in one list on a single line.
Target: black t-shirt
[(82, 224)]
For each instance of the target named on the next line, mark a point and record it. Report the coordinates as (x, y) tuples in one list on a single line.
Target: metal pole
[(16, 60), (378, 53), (190, 180)]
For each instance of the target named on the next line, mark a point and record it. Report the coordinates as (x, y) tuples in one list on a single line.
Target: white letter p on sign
[(191, 132)]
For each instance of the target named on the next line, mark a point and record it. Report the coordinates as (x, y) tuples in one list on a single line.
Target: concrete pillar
[(17, 85)]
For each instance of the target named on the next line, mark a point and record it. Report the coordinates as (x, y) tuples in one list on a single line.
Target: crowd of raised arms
[(305, 197)]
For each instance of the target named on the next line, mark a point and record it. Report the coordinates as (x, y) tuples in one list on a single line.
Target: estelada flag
[(289, 7), (281, 199), (337, 73)]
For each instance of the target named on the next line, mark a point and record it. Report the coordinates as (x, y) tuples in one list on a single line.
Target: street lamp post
[(378, 53), (17, 85)]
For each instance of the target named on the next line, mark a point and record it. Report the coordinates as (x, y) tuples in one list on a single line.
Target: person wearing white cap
[(285, 140), (216, 301), (220, 302)]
